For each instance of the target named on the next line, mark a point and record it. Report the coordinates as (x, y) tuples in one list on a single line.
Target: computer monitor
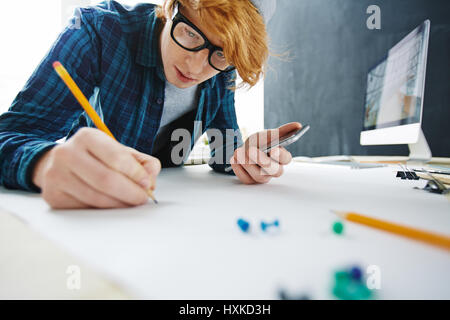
[(394, 97)]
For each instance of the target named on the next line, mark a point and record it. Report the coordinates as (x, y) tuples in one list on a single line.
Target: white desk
[(189, 246)]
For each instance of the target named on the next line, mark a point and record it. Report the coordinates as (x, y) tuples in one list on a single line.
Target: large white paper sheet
[(189, 246)]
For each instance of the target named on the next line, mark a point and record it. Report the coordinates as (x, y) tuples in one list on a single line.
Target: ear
[(168, 8)]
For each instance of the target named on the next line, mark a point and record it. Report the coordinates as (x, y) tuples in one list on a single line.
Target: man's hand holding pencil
[(91, 170)]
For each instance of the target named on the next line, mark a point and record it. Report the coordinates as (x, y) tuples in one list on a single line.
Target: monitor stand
[(419, 152)]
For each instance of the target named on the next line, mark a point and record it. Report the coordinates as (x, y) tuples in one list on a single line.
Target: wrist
[(39, 168)]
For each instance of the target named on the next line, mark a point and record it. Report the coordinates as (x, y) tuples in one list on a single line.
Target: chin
[(181, 85)]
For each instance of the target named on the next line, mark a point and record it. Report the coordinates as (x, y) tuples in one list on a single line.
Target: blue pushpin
[(265, 226), (243, 225), (356, 273)]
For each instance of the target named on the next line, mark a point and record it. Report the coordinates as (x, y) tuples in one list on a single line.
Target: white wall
[(27, 29)]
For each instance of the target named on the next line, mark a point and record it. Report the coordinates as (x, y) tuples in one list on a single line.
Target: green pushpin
[(338, 227), (341, 277), (347, 288)]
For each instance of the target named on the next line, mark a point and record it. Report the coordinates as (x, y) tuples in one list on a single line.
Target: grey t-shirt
[(177, 103)]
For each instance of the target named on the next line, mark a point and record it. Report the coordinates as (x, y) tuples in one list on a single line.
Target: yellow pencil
[(65, 76), (412, 233)]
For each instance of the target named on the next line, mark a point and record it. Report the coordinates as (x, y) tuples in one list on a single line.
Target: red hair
[(239, 26)]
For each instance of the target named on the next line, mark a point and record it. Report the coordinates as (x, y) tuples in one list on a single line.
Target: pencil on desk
[(81, 98), (412, 233)]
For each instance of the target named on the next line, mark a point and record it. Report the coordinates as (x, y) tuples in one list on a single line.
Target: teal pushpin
[(338, 227), (349, 285), (265, 226)]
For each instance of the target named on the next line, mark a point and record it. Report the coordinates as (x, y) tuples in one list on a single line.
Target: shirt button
[(159, 101)]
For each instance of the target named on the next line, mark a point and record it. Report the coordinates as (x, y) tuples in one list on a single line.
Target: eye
[(190, 33), (220, 55)]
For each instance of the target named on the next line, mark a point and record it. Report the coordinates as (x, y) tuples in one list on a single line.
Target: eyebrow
[(179, 6)]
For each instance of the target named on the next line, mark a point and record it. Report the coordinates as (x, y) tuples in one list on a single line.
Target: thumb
[(288, 128), (277, 134)]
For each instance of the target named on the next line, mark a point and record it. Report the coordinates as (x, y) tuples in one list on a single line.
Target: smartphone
[(288, 139)]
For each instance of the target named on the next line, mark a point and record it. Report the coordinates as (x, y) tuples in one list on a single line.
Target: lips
[(183, 77)]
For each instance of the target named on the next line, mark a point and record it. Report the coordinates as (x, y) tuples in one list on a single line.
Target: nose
[(197, 61)]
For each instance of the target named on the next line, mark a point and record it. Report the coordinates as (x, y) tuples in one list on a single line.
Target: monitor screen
[(395, 86)]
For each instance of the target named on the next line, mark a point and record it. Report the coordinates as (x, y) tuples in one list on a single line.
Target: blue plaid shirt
[(112, 53)]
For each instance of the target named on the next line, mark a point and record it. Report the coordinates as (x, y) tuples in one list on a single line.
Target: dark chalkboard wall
[(331, 51)]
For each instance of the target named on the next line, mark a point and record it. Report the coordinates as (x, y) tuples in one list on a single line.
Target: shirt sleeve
[(225, 121), (44, 110)]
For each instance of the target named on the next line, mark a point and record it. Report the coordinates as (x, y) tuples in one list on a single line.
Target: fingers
[(241, 173), (108, 181), (115, 156), (91, 170), (151, 165), (90, 197), (257, 174), (267, 165), (245, 167), (251, 165), (70, 189), (281, 155), (263, 139), (60, 200)]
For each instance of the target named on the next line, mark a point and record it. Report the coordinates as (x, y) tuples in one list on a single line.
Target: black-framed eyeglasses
[(190, 38)]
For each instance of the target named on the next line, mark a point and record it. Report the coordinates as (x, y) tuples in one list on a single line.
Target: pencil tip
[(338, 213), (151, 196)]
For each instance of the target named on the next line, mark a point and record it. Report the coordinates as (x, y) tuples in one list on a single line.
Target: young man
[(148, 71)]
